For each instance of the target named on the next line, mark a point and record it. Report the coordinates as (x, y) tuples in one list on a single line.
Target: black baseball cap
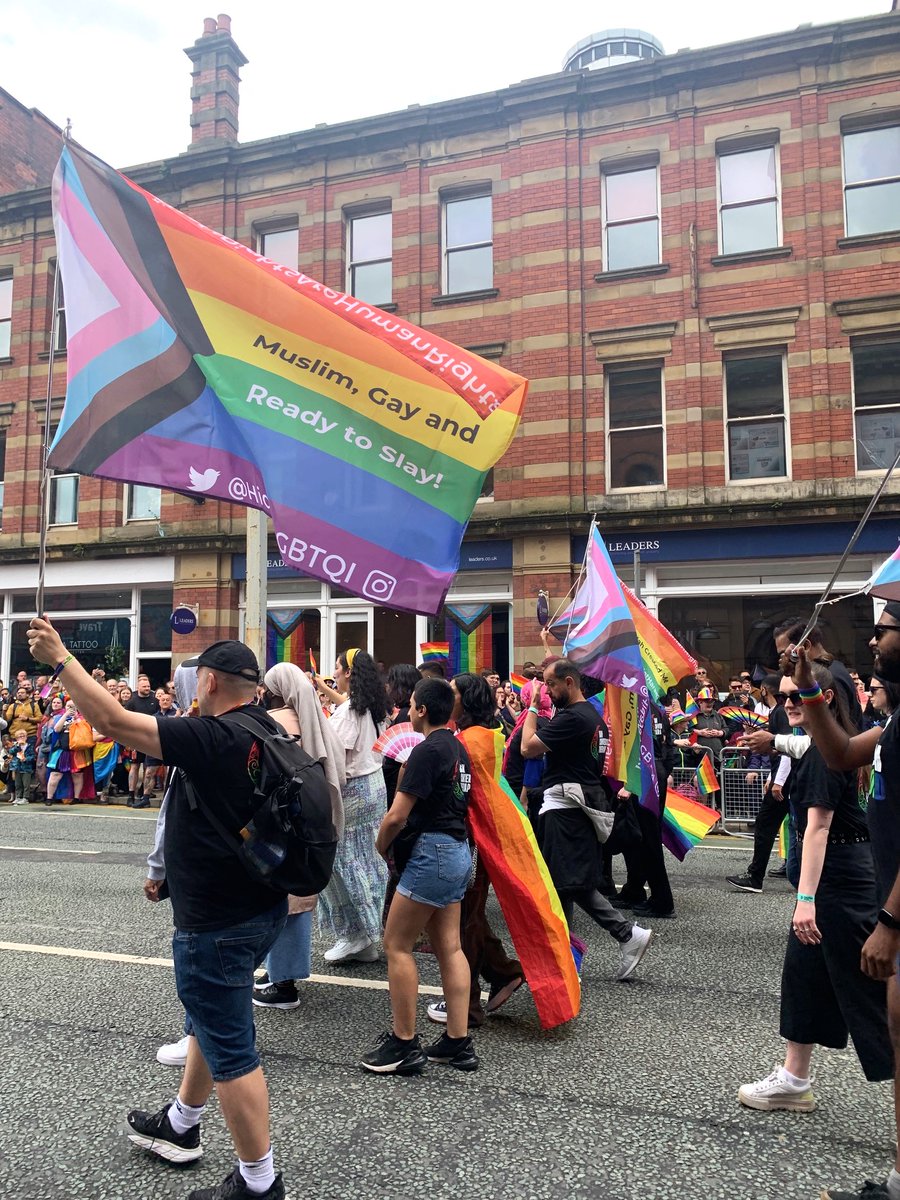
[(232, 658)]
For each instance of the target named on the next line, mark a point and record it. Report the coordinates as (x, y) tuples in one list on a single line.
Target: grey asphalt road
[(634, 1099)]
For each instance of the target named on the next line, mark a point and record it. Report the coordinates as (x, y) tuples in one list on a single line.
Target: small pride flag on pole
[(434, 651), (518, 682), (706, 776)]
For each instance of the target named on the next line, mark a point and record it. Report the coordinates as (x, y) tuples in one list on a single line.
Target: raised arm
[(840, 751)]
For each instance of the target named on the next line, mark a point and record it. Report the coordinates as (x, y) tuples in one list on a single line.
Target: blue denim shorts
[(214, 978), (437, 872)]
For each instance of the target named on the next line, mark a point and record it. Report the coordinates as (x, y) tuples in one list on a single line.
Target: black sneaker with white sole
[(277, 995), (154, 1132), (453, 1052), (234, 1188), (744, 883), (395, 1056)]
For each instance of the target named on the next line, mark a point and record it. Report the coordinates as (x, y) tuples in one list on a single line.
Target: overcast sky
[(116, 67)]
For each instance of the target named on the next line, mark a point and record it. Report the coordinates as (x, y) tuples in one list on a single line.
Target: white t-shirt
[(357, 733)]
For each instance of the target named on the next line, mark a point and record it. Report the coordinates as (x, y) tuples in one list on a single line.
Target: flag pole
[(44, 493), (811, 624)]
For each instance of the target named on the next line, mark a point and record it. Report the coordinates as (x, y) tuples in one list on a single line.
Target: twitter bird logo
[(202, 483)]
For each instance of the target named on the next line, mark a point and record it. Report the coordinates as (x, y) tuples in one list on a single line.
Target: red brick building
[(694, 259)]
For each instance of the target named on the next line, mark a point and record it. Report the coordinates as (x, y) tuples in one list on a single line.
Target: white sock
[(183, 1117), (893, 1184), (260, 1175), (795, 1080)]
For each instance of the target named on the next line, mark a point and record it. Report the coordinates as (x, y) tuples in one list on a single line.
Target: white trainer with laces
[(361, 950), (633, 951), (173, 1054), (437, 1012), (776, 1092)]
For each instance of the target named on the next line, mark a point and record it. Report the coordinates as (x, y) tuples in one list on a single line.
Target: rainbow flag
[(525, 891), (469, 628), (691, 707), (196, 364), (783, 838), (706, 776), (886, 580), (434, 651), (666, 662), (518, 682), (685, 823), (286, 638), (630, 757)]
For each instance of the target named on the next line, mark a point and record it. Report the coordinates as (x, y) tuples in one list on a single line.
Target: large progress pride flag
[(196, 364)]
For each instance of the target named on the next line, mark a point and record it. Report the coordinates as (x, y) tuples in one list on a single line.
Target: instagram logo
[(379, 586)]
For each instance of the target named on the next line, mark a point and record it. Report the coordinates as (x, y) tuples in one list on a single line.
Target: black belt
[(842, 839)]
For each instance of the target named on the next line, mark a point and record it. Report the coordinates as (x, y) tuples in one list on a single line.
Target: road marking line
[(48, 850), (379, 985), (83, 813)]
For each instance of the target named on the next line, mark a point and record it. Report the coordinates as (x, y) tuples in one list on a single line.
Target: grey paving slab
[(634, 1099)]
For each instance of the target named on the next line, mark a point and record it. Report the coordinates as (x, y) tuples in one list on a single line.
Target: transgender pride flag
[(886, 580)]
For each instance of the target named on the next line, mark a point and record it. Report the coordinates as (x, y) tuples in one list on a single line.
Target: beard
[(561, 701), (887, 668)]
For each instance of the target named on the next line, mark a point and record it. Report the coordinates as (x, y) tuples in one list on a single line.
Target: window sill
[(485, 500), (755, 479), (628, 491), (868, 239), (466, 297), (392, 307), (62, 525), (44, 355), (749, 256), (631, 273), (4, 362)]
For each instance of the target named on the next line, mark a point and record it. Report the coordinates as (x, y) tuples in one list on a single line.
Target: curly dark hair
[(367, 694), (477, 701), (401, 683)]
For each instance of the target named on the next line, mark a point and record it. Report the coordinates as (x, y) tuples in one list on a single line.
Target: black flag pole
[(44, 494), (824, 599)]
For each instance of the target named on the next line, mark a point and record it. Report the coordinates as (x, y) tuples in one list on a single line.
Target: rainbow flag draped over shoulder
[(666, 662), (685, 823), (516, 868), (198, 365)]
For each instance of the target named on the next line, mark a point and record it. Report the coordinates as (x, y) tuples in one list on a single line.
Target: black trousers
[(646, 863), (824, 995), (772, 812)]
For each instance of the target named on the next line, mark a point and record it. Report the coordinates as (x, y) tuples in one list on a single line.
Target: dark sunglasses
[(879, 630), (792, 698)]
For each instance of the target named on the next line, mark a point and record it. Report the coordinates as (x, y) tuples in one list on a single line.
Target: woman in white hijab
[(295, 706)]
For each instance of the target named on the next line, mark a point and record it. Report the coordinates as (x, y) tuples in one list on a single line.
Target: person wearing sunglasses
[(880, 748), (825, 998)]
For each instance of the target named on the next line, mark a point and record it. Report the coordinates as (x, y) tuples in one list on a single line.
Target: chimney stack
[(214, 91)]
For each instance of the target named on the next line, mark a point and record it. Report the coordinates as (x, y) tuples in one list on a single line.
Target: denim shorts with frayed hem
[(214, 977), (438, 871)]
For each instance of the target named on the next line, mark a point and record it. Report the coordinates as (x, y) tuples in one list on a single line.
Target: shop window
[(370, 257), (292, 635), (487, 486), (631, 224), (142, 503), (96, 641), (63, 500), (748, 200), (635, 440), (280, 246), (59, 344), (754, 399), (73, 601), (6, 298), (155, 633), (468, 244), (876, 403), (478, 635), (872, 181)]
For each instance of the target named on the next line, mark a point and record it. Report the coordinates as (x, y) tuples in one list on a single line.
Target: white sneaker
[(173, 1054), (777, 1092), (633, 951), (437, 1012), (360, 950)]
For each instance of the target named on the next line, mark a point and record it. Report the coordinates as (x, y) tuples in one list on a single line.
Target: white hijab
[(316, 737)]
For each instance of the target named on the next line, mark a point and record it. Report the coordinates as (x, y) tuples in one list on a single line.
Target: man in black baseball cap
[(229, 657)]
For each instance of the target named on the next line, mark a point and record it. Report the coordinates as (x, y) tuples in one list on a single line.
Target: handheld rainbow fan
[(399, 741), (746, 716)]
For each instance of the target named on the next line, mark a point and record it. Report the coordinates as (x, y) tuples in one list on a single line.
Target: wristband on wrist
[(60, 667), (805, 899), (812, 695), (534, 710)]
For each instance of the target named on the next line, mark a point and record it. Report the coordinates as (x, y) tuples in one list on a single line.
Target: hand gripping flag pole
[(811, 623)]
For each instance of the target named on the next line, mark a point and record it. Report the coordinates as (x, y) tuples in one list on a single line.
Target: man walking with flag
[(576, 816)]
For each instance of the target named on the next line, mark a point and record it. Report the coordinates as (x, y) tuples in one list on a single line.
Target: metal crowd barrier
[(738, 801)]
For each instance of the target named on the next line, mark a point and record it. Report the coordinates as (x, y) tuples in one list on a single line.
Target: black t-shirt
[(438, 773), (147, 705), (884, 808), (209, 887), (576, 741), (813, 785)]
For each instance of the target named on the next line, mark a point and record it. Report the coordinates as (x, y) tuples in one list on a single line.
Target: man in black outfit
[(646, 862), (225, 921), (142, 701)]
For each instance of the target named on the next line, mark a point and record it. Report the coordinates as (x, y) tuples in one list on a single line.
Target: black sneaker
[(647, 910), (779, 872), (141, 802), (261, 981), (454, 1052), (277, 995), (234, 1188), (744, 883), (154, 1132), (868, 1191), (501, 992), (392, 1056)]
